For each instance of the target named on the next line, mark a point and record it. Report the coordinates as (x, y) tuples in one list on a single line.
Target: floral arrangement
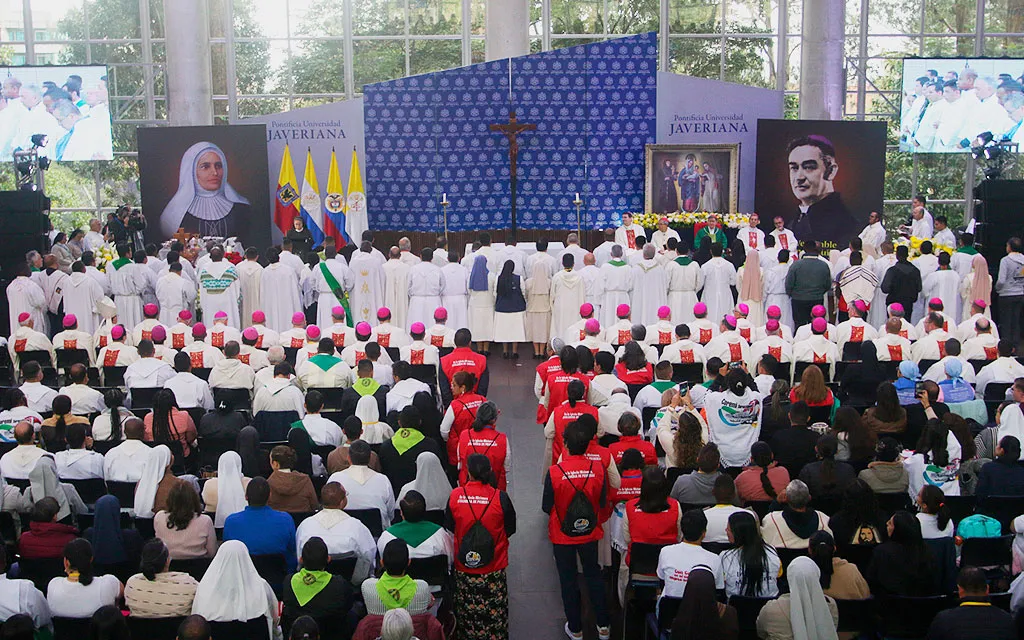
[(104, 256), (914, 245), (690, 219)]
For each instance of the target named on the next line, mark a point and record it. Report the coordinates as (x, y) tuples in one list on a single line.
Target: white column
[(189, 72), (822, 82), (507, 29)]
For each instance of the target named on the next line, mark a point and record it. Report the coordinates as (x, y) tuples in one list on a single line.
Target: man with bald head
[(593, 283), (124, 462), (36, 120), (194, 627), (572, 245), (17, 463), (892, 345), (341, 532), (405, 252)]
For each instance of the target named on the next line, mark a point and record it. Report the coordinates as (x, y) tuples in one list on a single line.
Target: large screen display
[(946, 103), (63, 110)]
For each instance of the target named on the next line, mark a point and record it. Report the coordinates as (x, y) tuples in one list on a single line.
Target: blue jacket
[(263, 531)]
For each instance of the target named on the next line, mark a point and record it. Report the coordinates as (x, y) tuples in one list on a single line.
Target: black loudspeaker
[(21, 212), (999, 216)]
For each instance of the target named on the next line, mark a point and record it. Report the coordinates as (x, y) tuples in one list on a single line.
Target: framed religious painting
[(687, 178)]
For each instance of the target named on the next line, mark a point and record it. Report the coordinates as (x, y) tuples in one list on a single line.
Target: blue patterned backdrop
[(594, 107)]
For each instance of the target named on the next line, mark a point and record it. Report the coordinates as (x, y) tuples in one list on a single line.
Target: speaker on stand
[(23, 228), (999, 217)]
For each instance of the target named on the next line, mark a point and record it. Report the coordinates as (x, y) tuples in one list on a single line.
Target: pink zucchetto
[(896, 308), (664, 312), (417, 328), (622, 311), (251, 334), (159, 334), (743, 308), (69, 320), (383, 313), (258, 317), (150, 310), (980, 304), (440, 314), (298, 318), (730, 321), (185, 315), (935, 303), (312, 332), (24, 316), (592, 326), (774, 312), (819, 326), (700, 309), (199, 331), (117, 332), (860, 305), (586, 310), (772, 326), (338, 312), (818, 311), (220, 315), (363, 329)]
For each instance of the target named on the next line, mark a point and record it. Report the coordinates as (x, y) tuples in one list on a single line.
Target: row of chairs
[(164, 629)]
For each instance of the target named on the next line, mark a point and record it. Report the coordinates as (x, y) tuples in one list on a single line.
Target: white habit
[(719, 276), (279, 294)]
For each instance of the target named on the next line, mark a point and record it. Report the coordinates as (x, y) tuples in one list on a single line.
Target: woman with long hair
[(481, 304), (775, 409), (186, 531), (887, 416), (156, 591), (484, 438), (931, 462), (904, 565), (166, 423), (81, 592), (537, 321), (430, 416), (633, 367), (586, 357), (813, 390), (53, 432), (933, 513), (575, 405), (509, 311), (859, 520), (680, 430), (651, 518), (109, 425), (856, 442), (827, 478), (701, 616), (839, 579), (741, 403), (764, 479), (751, 567)]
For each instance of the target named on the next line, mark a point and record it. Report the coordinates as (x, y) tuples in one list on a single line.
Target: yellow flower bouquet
[(690, 219), (104, 256), (914, 246)]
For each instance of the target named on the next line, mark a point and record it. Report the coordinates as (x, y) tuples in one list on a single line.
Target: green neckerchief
[(617, 263), (338, 291), (406, 439), (663, 385), (120, 262), (324, 361), (395, 592), (366, 386), (413, 533), (683, 260), (971, 251), (299, 425), (306, 584)]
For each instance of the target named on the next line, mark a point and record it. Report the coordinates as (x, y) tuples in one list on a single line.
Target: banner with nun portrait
[(211, 181)]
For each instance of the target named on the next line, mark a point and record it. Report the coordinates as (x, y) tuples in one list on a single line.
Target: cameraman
[(136, 225)]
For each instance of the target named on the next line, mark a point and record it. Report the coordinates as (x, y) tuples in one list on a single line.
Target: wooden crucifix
[(511, 131)]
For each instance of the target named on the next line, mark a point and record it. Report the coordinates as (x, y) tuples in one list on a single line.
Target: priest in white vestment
[(873, 235), (368, 288), (321, 285), (618, 279), (944, 284), (149, 276), (685, 279), (877, 313), (25, 296), (750, 235), (650, 287), (719, 277), (279, 292), (784, 238), (73, 338), (26, 338), (568, 293), (626, 235), (81, 293), (455, 299), (127, 283), (594, 283), (249, 272), (175, 293), (426, 288), (396, 287), (219, 289)]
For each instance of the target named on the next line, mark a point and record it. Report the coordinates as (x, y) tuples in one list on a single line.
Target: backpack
[(477, 547), (580, 516), (979, 526)]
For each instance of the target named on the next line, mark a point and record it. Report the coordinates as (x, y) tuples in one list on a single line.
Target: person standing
[(1010, 287), (902, 282), (482, 519), (279, 292), (626, 235), (481, 304), (873, 235), (509, 311), (567, 294), (719, 276), (650, 287), (807, 283), (538, 309), (302, 239), (396, 286), (575, 493), (219, 289), (249, 273), (618, 280), (426, 288)]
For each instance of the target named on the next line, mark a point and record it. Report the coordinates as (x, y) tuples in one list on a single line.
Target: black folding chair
[(332, 396), (344, 566), (203, 373), (255, 629), (925, 365), (1002, 508), (905, 617), (123, 491), (211, 449), (195, 567), (746, 612), (692, 372), (798, 370), (660, 624), (273, 568), (41, 570), (370, 518), (274, 425), (113, 376), (890, 503), (89, 490), (960, 507), (856, 615), (987, 552), (289, 355), (432, 570), (142, 397), (857, 554), (299, 516), (71, 628), (154, 628), (851, 351), (68, 357), (237, 398), (978, 364)]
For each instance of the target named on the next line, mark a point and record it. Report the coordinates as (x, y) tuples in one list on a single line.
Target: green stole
[(971, 251), (683, 260), (413, 533), (120, 262), (366, 386), (324, 361), (338, 291)]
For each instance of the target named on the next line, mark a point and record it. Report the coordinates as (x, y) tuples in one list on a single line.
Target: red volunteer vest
[(557, 385), (585, 475), (464, 359), (563, 415), (633, 442), (488, 442), (477, 501), (653, 528), (464, 411), (629, 488)]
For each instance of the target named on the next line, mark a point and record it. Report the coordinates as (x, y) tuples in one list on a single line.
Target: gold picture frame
[(708, 185)]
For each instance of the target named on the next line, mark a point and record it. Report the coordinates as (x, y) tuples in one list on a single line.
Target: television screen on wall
[(947, 103), (62, 110)]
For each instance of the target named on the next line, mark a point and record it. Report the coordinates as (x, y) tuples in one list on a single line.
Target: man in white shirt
[(784, 238), (1004, 369), (19, 595), (662, 234), (626, 235), (117, 353), (341, 532), (982, 343), (93, 238), (365, 488), (873, 235), (939, 285), (249, 354), (221, 332), (26, 338), (932, 345), (728, 345), (405, 387), (703, 329), (414, 511), (719, 279), (943, 235), (149, 371), (279, 394), (425, 289), (144, 329), (73, 338), (78, 462), (231, 372), (675, 562), (603, 252), (322, 431), (922, 225), (952, 131), (39, 396), (124, 463), (804, 331), (387, 334), (190, 391), (618, 279), (275, 356), (17, 463), (84, 399), (650, 395), (969, 327), (683, 350), (325, 369), (572, 245), (856, 329), (937, 372)]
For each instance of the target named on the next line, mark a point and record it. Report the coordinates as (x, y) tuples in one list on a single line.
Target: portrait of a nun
[(205, 203)]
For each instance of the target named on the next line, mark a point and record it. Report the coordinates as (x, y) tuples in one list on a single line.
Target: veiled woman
[(205, 203)]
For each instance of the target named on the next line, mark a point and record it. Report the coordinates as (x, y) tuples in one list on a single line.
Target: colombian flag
[(286, 204), (356, 221), (311, 209), (334, 202)]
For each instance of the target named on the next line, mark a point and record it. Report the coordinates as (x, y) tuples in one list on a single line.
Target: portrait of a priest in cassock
[(205, 202), (822, 213)]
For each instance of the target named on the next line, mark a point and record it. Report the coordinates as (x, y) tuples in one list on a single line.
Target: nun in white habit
[(374, 430), (431, 481), (805, 613), (233, 591), (230, 488), (153, 470), (205, 203)]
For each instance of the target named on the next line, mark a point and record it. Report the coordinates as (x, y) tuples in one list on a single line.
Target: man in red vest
[(462, 358), (575, 493)]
